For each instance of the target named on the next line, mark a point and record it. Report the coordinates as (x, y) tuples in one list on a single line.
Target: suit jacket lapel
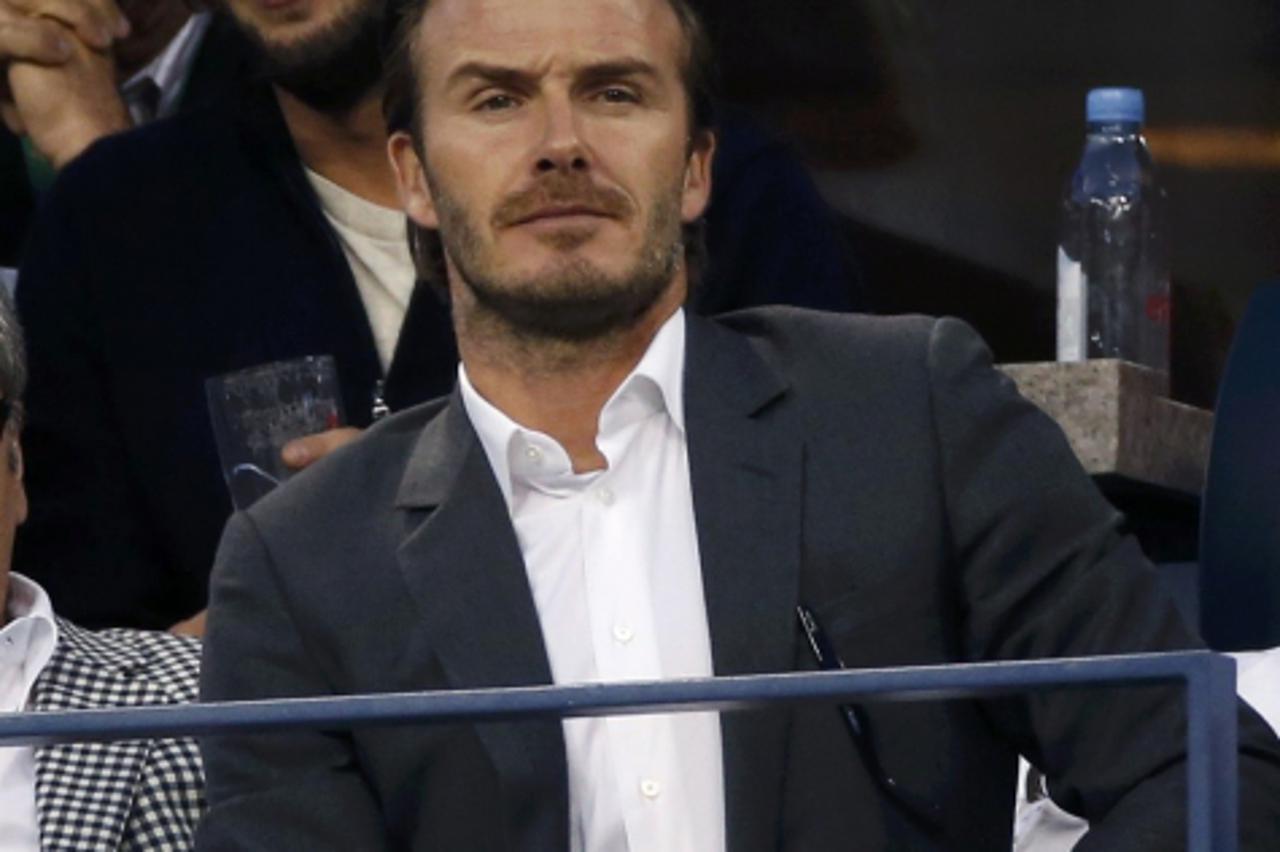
[(462, 563), (746, 469), (75, 776)]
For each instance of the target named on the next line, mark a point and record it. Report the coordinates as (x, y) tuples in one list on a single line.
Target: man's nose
[(562, 147)]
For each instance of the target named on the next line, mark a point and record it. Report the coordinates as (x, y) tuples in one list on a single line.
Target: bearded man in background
[(262, 228)]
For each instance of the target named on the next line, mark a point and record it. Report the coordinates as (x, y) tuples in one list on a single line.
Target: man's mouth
[(561, 213)]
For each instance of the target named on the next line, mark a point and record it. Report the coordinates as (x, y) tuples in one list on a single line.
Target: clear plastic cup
[(257, 411)]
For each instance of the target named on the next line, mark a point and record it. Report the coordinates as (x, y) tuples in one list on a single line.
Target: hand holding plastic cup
[(257, 411)]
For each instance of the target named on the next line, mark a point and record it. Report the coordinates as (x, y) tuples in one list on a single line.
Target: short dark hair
[(13, 359), (401, 109)]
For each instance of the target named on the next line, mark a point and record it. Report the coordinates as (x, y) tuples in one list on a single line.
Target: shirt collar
[(168, 70), (655, 384), (29, 637)]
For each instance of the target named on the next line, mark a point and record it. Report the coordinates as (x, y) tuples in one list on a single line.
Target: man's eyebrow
[(617, 70), (516, 78), (484, 72)]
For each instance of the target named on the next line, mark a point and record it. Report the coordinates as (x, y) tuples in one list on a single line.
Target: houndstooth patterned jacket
[(135, 795)]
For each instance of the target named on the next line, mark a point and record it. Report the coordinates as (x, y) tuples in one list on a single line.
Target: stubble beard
[(332, 69), (573, 301)]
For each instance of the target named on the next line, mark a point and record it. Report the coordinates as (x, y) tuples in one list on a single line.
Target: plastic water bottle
[(1113, 279)]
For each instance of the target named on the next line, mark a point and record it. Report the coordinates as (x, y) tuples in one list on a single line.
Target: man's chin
[(575, 318), (282, 38), (578, 252), (280, 27), (568, 276), (570, 301)]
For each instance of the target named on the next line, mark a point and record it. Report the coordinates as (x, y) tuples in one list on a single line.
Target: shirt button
[(533, 454), (605, 496), (623, 633), (650, 789)]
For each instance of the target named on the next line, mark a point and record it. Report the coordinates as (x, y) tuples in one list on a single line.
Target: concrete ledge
[(1119, 423)]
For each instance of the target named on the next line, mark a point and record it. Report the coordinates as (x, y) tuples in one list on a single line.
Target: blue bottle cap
[(1115, 105)]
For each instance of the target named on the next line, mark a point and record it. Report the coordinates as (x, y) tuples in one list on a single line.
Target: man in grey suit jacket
[(616, 489)]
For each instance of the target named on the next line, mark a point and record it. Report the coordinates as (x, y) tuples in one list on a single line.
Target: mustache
[(560, 189)]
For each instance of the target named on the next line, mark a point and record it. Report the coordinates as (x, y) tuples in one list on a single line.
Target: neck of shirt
[(27, 641), (524, 458), (167, 73)]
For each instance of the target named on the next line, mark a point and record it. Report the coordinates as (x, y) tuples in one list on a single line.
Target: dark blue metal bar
[(1209, 680), (1212, 806)]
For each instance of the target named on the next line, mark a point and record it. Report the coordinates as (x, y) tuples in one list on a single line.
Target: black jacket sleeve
[(1046, 572), (89, 539)]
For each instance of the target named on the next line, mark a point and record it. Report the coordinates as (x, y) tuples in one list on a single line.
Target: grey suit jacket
[(131, 795), (877, 469)]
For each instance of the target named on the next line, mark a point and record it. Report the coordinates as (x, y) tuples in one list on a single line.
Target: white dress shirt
[(373, 239), (154, 90), (612, 560), (26, 644)]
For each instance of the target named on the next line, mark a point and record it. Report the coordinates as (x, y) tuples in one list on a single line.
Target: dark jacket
[(180, 251), (194, 247), (878, 470)]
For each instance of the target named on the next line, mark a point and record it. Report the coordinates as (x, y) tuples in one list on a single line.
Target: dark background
[(943, 132)]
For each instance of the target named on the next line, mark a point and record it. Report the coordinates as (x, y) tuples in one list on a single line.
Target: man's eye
[(496, 103), (618, 95)]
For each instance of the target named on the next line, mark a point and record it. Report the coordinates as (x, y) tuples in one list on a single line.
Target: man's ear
[(411, 180), (19, 495), (697, 176), (15, 458)]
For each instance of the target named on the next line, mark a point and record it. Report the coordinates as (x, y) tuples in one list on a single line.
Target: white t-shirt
[(373, 239)]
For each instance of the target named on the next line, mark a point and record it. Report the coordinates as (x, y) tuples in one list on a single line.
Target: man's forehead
[(535, 32)]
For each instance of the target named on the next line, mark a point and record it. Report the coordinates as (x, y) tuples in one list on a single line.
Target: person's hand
[(301, 452), (97, 23), (59, 76), (193, 626)]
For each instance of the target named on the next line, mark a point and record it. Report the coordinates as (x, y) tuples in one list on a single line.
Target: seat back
[(1240, 515)]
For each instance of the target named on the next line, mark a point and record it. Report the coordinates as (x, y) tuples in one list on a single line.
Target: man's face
[(326, 52), (557, 162)]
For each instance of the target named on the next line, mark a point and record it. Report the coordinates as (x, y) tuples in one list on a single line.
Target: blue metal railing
[(1209, 681)]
